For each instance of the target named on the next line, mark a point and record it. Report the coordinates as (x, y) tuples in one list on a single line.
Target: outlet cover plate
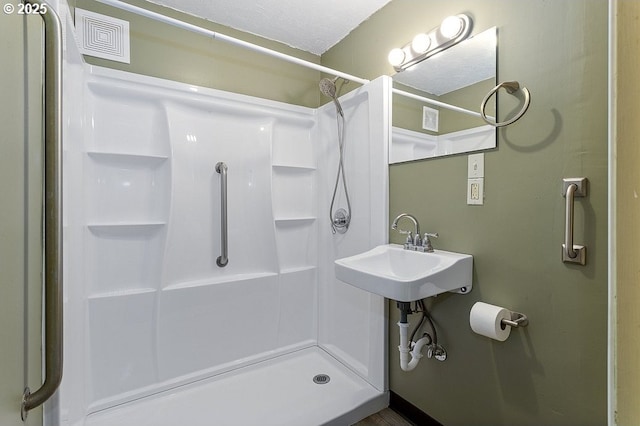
[(475, 191)]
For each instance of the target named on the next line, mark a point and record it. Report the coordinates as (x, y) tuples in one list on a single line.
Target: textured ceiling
[(310, 25)]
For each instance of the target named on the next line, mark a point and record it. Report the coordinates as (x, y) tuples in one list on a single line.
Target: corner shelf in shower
[(132, 224), (294, 242), (122, 293), (121, 225), (133, 230), (292, 191), (126, 188), (218, 279), (293, 270), (293, 219), (293, 168), (294, 209), (120, 156)]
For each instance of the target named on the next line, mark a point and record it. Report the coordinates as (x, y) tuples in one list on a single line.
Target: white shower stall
[(155, 332)]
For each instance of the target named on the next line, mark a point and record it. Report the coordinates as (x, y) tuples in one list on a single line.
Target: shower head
[(328, 88)]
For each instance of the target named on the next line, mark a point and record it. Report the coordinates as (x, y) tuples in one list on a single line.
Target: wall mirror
[(460, 76)]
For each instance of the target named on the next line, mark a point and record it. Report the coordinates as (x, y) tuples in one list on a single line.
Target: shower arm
[(53, 347)]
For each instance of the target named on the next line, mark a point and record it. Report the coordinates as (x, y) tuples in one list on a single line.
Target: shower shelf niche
[(294, 215), (294, 270), (124, 156), (292, 167), (293, 190), (283, 220), (126, 188), (294, 242), (122, 293), (130, 225), (120, 257)]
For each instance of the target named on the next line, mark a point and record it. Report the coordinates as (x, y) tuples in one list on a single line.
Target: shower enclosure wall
[(155, 331)]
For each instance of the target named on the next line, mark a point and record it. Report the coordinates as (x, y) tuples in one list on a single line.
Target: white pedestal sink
[(405, 275)]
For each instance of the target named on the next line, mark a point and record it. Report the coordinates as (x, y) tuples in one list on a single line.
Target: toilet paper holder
[(517, 320)]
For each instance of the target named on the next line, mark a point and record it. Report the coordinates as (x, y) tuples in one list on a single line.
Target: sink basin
[(405, 275)]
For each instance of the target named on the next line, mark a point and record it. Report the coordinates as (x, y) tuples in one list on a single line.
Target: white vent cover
[(430, 119), (102, 36)]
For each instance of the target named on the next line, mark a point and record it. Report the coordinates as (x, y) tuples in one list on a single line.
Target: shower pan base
[(278, 392)]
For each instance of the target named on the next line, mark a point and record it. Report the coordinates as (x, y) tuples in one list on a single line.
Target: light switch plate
[(475, 167)]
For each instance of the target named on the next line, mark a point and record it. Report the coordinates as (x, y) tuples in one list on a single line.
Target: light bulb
[(396, 57), (421, 43), (451, 26)]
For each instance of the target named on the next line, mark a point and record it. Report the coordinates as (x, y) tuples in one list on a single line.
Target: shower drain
[(321, 379)]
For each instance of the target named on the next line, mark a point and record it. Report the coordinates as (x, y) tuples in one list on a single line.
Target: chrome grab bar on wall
[(574, 187), (223, 259), (53, 213)]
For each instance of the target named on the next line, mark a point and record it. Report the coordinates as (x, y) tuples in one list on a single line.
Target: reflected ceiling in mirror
[(460, 76)]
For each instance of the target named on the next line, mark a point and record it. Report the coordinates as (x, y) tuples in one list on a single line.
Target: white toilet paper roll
[(485, 319)]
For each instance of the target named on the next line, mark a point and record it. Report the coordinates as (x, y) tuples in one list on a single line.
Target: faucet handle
[(409, 241), (426, 242)]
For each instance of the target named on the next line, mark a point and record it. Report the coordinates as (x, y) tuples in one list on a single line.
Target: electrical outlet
[(475, 191)]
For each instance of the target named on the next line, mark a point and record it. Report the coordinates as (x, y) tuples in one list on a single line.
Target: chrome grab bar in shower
[(53, 213), (574, 187), (223, 259)]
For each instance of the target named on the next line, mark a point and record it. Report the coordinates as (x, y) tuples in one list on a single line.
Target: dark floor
[(386, 417)]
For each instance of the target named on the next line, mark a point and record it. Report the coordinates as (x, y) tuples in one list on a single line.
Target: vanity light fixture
[(452, 31)]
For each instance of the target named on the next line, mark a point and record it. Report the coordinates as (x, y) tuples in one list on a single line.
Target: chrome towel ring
[(510, 87)]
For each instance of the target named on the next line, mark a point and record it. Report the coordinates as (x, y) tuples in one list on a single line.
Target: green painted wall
[(553, 372), (164, 51), (469, 97), (20, 214)]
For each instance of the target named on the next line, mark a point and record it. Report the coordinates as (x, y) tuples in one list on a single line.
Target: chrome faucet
[(414, 242), (411, 240)]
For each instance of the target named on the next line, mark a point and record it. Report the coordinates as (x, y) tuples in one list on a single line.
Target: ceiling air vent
[(102, 36)]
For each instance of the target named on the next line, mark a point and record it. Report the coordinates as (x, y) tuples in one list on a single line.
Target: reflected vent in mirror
[(430, 119), (102, 36)]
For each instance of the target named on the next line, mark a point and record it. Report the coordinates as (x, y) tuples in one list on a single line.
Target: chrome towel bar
[(511, 87), (53, 347), (571, 188), (223, 259)]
